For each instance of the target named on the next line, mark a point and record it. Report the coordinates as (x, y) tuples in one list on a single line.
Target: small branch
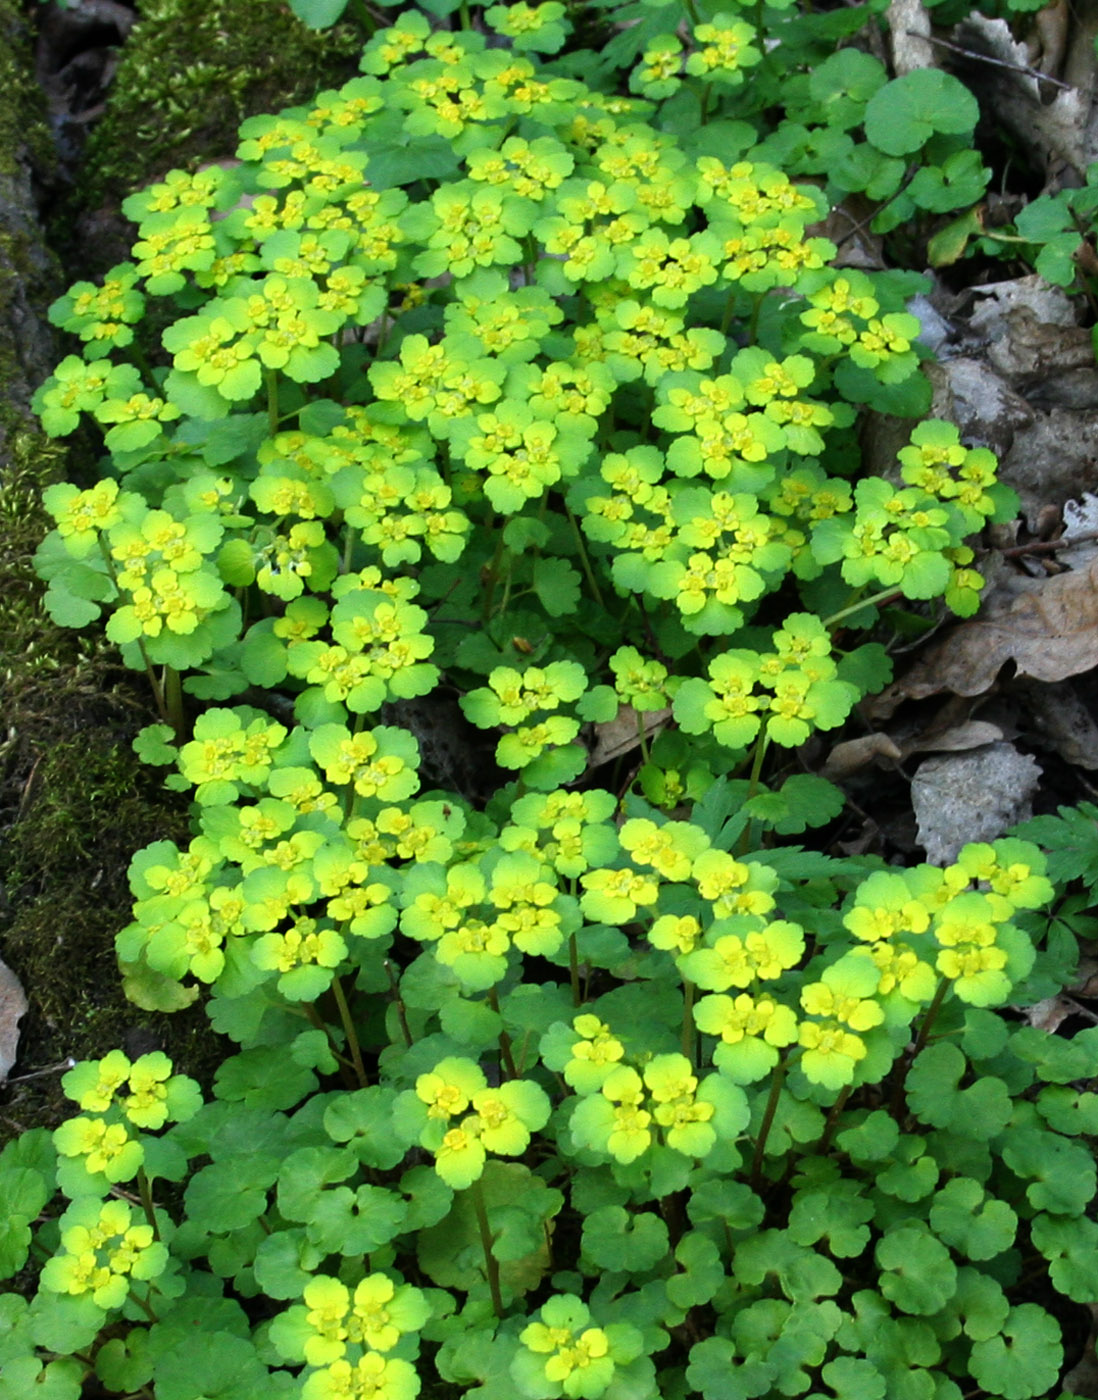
[(995, 62), (1047, 546)]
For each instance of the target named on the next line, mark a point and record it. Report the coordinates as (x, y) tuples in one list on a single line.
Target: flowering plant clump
[(531, 382)]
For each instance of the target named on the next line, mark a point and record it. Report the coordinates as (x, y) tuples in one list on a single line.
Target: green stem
[(398, 1002), (688, 1019), (642, 736), (144, 1190), (491, 580), (144, 1305), (691, 11), (584, 560), (365, 19), (491, 1263), (504, 1038), (726, 319), (345, 1066), (762, 743), (271, 376), (573, 970), (767, 1122), (756, 311), (931, 1016), (348, 549), (350, 1032), (897, 1105), (141, 362), (173, 701), (887, 595), (832, 1123)]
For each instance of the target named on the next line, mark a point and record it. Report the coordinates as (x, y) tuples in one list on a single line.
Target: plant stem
[(144, 1189), (491, 1263), (887, 595), (897, 1104), (271, 376), (314, 1016), (688, 1019), (173, 701), (573, 970), (726, 319), (348, 549), (931, 1015), (144, 1305), (584, 560), (833, 1121), (504, 1038), (398, 1001), (349, 1032), (767, 1122), (363, 16), (762, 743)]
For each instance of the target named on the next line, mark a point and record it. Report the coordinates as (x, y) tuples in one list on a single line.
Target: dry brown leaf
[(1050, 1014), (972, 734), (1050, 633), (12, 1006), (852, 755), (621, 735)]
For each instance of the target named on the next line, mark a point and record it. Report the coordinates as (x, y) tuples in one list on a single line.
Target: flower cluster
[(356, 1342), (460, 1118), (102, 1250)]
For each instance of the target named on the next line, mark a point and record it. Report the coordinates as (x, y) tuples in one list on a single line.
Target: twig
[(997, 62), (1047, 546)]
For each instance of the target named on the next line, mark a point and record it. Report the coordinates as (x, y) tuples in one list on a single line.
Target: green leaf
[(933, 1092), (1061, 1174), (61, 1379), (557, 585), (362, 1118), (902, 116), (802, 1274), (224, 1367), (615, 1239), (153, 745), (1024, 1360), (227, 1195), (974, 1224), (356, 1222), (428, 158), (318, 14), (717, 1373), (917, 1274), (451, 1253), (284, 1262)]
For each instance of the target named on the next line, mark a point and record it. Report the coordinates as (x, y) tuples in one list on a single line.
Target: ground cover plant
[(531, 382)]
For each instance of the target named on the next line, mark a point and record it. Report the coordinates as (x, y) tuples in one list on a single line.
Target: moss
[(24, 132), (74, 805), (191, 71)]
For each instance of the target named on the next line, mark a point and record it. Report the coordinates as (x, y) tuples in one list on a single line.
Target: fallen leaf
[(620, 735), (1062, 720), (958, 738), (852, 755), (13, 1004), (1050, 632), (1050, 1014)]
